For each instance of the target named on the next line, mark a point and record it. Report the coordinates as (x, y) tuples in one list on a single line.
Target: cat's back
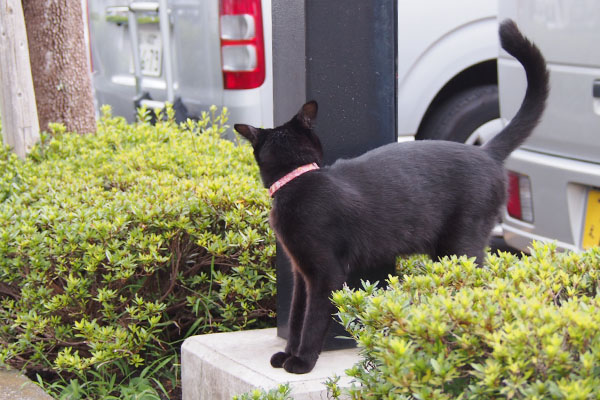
[(426, 156)]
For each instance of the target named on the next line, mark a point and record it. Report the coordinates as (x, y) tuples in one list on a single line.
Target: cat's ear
[(247, 131), (307, 114)]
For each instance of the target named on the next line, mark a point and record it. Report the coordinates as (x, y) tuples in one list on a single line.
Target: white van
[(554, 192), (193, 53), (197, 53)]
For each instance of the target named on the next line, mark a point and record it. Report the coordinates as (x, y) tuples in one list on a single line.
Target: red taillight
[(242, 44), (513, 205), (519, 204)]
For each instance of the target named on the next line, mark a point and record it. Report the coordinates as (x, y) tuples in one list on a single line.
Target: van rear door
[(195, 54)]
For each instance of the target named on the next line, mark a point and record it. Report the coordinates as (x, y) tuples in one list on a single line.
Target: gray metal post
[(135, 50), (342, 54), (165, 31)]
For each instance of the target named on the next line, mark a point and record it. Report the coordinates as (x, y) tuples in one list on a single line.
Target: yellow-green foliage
[(115, 246), (281, 392), (514, 329)]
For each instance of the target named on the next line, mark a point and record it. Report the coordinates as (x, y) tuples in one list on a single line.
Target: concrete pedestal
[(15, 386), (221, 365)]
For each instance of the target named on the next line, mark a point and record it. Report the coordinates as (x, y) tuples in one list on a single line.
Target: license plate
[(150, 52), (591, 229)]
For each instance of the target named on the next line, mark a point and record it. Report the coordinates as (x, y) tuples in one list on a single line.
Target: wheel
[(471, 116)]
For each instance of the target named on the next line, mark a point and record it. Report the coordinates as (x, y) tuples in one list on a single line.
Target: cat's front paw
[(278, 359), (297, 365)]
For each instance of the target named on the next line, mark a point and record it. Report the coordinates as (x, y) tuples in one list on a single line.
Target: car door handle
[(596, 89), (596, 95)]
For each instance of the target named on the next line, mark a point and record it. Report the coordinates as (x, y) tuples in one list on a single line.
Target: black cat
[(433, 197)]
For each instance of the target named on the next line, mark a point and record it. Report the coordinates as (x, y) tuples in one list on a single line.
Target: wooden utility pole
[(20, 127)]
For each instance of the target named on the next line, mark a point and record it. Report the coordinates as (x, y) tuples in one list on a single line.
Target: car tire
[(458, 117)]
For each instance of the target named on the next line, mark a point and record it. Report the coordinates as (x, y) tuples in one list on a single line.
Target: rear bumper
[(251, 106), (559, 191)]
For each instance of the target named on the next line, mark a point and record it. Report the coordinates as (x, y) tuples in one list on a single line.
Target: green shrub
[(281, 392), (513, 329), (114, 247)]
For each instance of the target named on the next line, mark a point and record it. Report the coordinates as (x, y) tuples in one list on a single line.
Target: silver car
[(555, 176)]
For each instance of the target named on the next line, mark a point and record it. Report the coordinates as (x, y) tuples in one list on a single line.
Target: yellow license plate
[(591, 230)]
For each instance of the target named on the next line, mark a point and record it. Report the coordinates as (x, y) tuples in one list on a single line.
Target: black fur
[(528, 116), (432, 197)]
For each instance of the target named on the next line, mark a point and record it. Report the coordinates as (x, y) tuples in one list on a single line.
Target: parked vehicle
[(193, 53), (447, 75), (219, 52), (555, 176)]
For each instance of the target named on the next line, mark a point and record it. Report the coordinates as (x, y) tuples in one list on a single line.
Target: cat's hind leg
[(467, 238)]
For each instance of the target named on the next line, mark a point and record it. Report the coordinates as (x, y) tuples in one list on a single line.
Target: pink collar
[(292, 175)]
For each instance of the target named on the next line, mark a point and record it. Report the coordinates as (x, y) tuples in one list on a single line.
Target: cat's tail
[(532, 108)]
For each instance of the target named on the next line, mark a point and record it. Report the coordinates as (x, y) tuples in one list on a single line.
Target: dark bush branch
[(9, 291), (175, 262)]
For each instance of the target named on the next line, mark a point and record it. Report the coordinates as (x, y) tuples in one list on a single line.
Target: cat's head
[(280, 150)]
